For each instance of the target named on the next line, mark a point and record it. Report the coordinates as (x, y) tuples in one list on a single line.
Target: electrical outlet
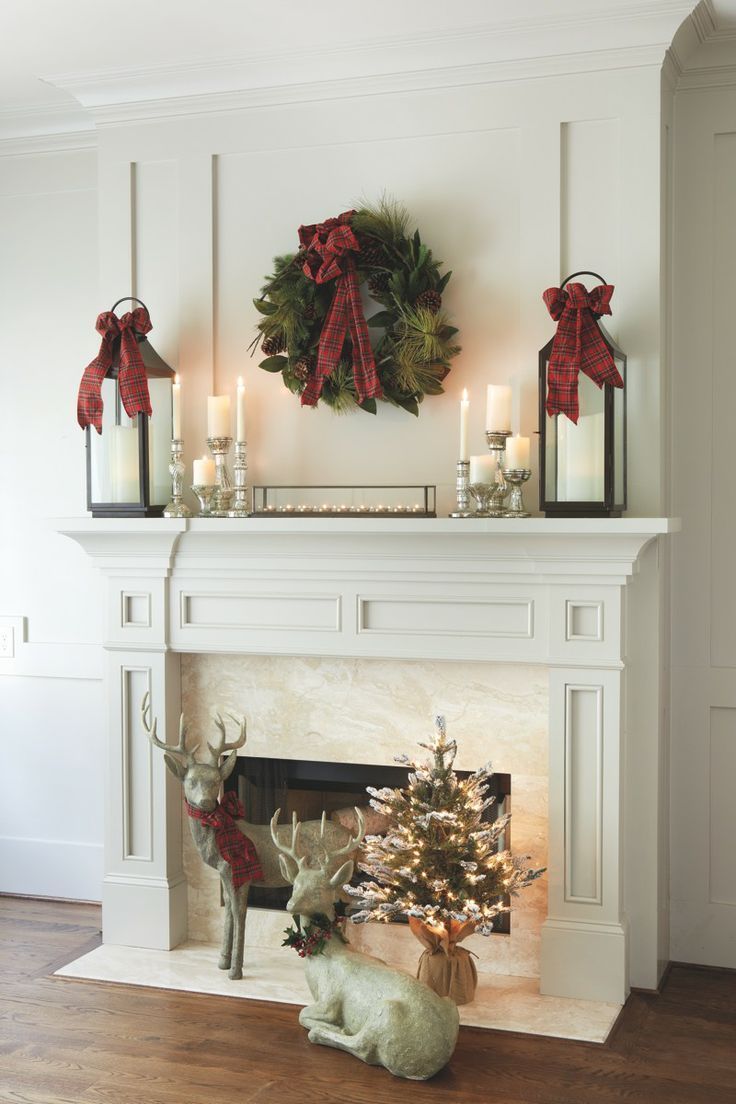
[(7, 641)]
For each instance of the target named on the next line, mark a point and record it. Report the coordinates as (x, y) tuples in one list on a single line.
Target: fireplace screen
[(307, 787)]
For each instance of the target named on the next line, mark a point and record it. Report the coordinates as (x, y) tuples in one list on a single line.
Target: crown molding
[(626, 36), (45, 127)]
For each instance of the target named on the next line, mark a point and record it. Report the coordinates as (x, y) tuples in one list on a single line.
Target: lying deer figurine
[(240, 852), (381, 1015)]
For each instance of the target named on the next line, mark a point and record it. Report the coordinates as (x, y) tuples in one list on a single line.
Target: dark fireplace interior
[(307, 787)]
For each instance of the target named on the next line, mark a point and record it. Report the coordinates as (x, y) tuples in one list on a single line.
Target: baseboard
[(51, 900), (645, 992), (51, 868)]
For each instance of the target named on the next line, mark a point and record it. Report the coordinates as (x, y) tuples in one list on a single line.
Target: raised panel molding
[(584, 621), (721, 807), (583, 793), (484, 617), (239, 610), (137, 829)]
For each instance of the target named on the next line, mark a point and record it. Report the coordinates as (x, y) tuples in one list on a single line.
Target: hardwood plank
[(78, 1042)]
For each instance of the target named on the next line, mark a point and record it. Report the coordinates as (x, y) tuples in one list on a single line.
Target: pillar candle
[(218, 416), (498, 407), (464, 408), (240, 411), (517, 453), (176, 409), (483, 469), (203, 472)]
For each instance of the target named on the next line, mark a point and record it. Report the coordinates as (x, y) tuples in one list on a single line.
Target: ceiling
[(44, 38)]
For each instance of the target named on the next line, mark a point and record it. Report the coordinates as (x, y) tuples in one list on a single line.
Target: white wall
[(703, 857), (51, 735)]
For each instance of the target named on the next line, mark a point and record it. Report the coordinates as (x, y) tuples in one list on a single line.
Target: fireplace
[(308, 787), (375, 627)]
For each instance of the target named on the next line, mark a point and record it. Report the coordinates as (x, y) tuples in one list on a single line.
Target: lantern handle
[(125, 299), (583, 272)]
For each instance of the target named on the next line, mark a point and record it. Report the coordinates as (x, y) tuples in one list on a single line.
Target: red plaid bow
[(235, 848), (578, 345), (132, 376), (328, 248)]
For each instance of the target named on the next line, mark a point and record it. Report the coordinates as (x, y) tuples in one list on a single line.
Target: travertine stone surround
[(368, 711)]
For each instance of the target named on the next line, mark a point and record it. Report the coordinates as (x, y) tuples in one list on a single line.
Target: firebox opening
[(306, 787)]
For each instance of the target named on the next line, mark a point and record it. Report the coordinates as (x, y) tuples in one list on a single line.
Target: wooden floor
[(76, 1042)]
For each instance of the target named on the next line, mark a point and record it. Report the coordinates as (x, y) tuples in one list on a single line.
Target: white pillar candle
[(218, 415), (240, 411), (176, 409), (203, 472), (483, 469), (581, 455), (517, 453), (498, 407), (126, 480), (464, 409)]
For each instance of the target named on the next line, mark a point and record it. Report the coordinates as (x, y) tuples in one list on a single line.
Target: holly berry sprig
[(314, 937)]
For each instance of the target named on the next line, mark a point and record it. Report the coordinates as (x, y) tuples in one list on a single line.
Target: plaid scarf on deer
[(132, 375), (578, 345), (235, 848), (328, 247)]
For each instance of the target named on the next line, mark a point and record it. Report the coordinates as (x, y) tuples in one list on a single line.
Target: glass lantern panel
[(579, 472), (619, 443), (114, 459), (159, 441)]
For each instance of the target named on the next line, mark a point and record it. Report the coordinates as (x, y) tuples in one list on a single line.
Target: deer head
[(202, 781), (314, 890)]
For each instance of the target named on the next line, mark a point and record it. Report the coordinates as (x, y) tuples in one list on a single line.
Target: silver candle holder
[(220, 447), (240, 467), (485, 496), (462, 491), (516, 478), (205, 493), (496, 440), (176, 508)]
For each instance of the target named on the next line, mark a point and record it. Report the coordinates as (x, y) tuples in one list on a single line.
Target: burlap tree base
[(446, 968)]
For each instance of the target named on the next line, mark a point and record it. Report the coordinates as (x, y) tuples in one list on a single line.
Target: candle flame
[(240, 381), (465, 394)]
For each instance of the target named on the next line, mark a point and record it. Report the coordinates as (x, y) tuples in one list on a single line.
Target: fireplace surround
[(580, 596)]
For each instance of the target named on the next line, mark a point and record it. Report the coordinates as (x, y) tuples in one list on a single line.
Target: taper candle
[(240, 411), (464, 408), (176, 409)]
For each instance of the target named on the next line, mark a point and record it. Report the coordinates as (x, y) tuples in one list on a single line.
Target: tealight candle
[(483, 469), (203, 472), (517, 453)]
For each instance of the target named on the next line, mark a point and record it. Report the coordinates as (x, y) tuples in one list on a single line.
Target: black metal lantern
[(582, 467), (128, 463)]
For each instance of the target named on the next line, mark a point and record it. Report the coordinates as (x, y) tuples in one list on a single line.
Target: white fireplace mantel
[(579, 595)]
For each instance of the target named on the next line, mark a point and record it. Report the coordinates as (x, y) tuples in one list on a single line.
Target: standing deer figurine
[(240, 852), (380, 1014)]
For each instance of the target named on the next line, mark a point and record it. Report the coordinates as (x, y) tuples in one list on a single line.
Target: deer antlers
[(150, 728), (219, 749), (290, 850)]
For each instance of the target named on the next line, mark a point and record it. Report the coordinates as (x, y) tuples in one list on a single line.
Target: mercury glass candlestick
[(205, 494), (462, 490), (516, 478), (484, 495), (219, 447), (496, 439), (176, 508), (240, 467)]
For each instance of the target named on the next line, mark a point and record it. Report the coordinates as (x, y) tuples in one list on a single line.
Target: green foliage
[(415, 350), (440, 860)]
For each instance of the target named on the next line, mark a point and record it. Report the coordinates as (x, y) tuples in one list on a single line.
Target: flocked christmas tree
[(440, 861)]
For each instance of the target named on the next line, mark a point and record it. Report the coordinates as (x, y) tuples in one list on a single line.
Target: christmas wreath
[(313, 329)]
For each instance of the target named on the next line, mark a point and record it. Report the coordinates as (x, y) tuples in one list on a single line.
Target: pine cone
[(273, 345), (372, 254), (430, 300), (302, 370), (378, 283)]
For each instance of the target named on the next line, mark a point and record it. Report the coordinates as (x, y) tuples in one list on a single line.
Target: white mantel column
[(144, 901)]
